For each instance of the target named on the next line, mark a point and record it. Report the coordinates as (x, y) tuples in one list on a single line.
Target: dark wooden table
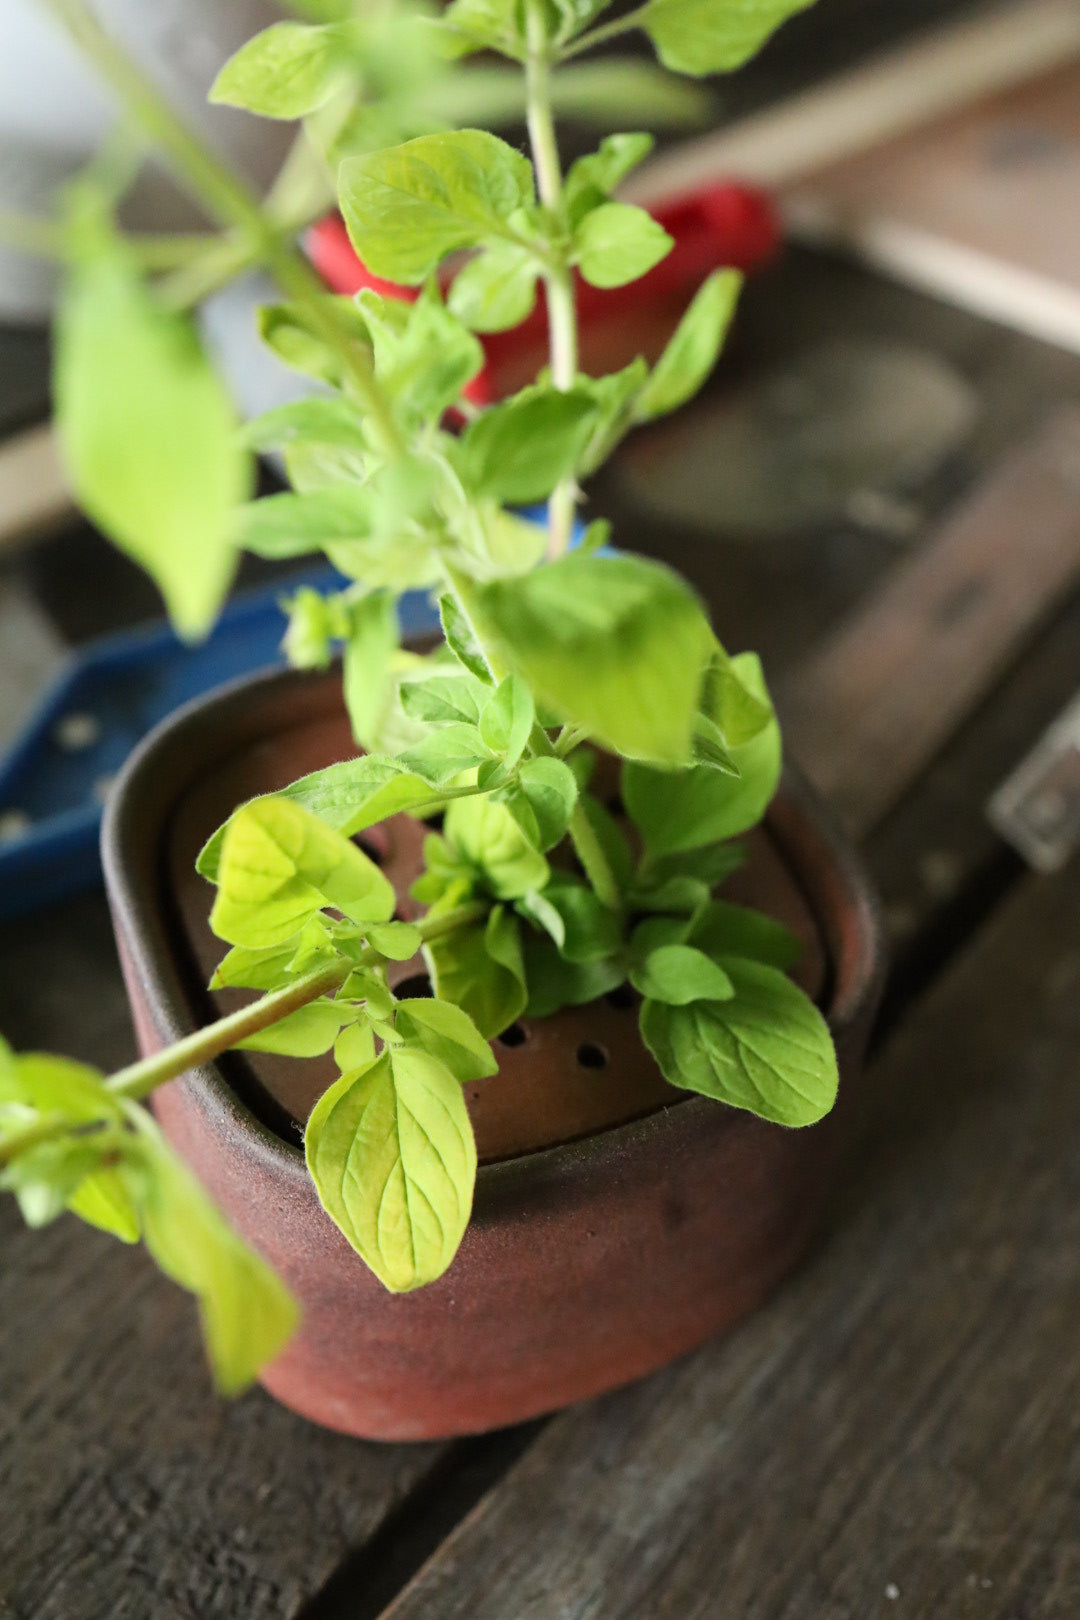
[(898, 1432)]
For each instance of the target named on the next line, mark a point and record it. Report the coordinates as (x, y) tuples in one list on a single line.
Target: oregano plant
[(559, 657)]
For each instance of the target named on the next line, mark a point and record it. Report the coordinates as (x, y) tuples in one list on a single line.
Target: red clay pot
[(617, 1222)]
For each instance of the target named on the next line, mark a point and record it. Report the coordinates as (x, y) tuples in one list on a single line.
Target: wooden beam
[(874, 706), (935, 74)]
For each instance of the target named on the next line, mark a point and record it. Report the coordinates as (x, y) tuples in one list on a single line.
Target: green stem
[(601, 35), (558, 278), (590, 852), (138, 1080), (228, 200)]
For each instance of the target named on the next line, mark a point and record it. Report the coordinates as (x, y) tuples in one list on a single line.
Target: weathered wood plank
[(129, 1490), (889, 687), (899, 1426)]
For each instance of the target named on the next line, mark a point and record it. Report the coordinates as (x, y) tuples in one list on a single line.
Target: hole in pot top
[(514, 1034), (591, 1055)]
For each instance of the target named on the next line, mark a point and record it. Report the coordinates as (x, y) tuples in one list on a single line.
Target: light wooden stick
[(936, 74)]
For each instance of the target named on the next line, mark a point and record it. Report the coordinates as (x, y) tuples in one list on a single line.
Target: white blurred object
[(54, 113)]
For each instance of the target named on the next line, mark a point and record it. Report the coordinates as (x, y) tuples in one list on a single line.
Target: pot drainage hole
[(591, 1055)]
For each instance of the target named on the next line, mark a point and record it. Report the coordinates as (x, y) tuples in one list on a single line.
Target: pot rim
[(205, 731)]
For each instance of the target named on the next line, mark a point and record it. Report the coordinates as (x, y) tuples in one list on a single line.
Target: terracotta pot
[(617, 1222)]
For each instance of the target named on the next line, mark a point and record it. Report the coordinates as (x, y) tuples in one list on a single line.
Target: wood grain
[(949, 66), (890, 687), (129, 1490), (977, 207), (897, 1433)]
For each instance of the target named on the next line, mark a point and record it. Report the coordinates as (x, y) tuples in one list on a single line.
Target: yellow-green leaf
[(280, 864), (391, 1152)]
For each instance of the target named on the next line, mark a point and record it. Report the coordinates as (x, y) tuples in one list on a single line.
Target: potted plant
[(501, 916)]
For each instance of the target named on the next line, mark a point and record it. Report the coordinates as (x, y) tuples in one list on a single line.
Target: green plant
[(536, 897)]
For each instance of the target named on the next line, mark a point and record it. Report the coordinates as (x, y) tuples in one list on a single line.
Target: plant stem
[(227, 199), (138, 1080), (558, 278), (600, 36), (590, 852)]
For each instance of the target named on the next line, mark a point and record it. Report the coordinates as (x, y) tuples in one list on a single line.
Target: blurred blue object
[(55, 778)]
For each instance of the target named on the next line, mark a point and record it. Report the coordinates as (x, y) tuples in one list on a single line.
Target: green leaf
[(732, 698), (460, 639), (596, 536), (287, 330), (680, 974), (307, 1032), (678, 811), (713, 36), (315, 623), (724, 929), (280, 864), (449, 1034), (496, 544), (440, 698), (286, 71), (148, 435), (333, 422), (496, 290), (67, 1173), (710, 866), (408, 206), (693, 348), (507, 719), (711, 749), (611, 838), (348, 797), (550, 789), (767, 1049), (491, 840), (633, 625), (487, 24), (555, 983), (615, 397), (424, 355), (374, 635), (590, 929), (572, 16), (355, 1046), (481, 970), (593, 178), (73, 1172), (617, 243), (443, 754), (247, 1314), (288, 525), (397, 941), (520, 450), (391, 1152), (254, 970)]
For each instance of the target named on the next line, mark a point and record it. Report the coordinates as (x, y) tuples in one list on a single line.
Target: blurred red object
[(722, 225)]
